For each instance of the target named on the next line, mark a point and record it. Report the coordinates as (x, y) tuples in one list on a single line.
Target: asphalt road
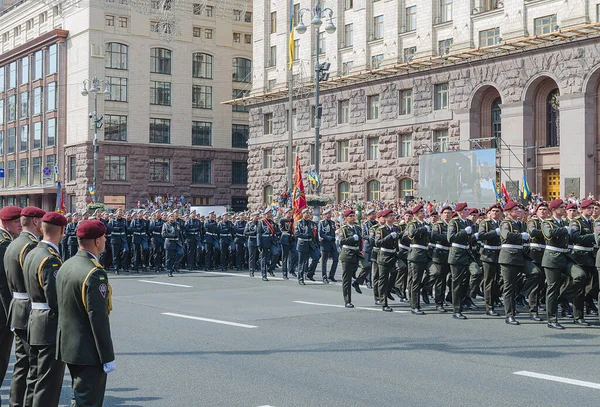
[(286, 345)]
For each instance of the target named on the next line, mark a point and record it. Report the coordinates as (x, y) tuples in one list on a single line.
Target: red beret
[(556, 203), (459, 207), (384, 213), (408, 212), (348, 212), (417, 208), (55, 218), (511, 205), (446, 208), (10, 213), (473, 211), (90, 229), (434, 213), (495, 206), (541, 204), (586, 203), (571, 206), (33, 212)]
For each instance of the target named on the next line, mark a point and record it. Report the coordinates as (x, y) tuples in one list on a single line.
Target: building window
[(348, 38), (197, 9), (296, 13), (12, 109), (208, 33), (209, 11), (373, 192), (247, 38), (445, 10), (24, 70), (115, 168), (373, 107), (377, 27), (160, 93), (118, 89), (123, 22), (37, 135), (406, 101), (268, 158), (160, 61), (237, 37), (373, 148), (347, 67), (248, 17), (160, 131), (444, 46), (404, 145), (268, 123), (2, 78), (24, 172), (36, 171), (406, 187), (2, 146), (73, 168), (296, 50), (273, 22), (38, 71), (12, 140), (12, 75), (154, 27), (239, 135), (239, 173), (116, 55), (411, 18), (348, 4), (1, 112), (312, 151), (268, 191), (343, 151), (376, 61), (201, 133), (37, 101), (344, 111), (109, 20), (202, 97), (160, 170), (51, 132), (487, 5), (497, 120), (52, 59), (24, 144), (545, 25), (598, 13), (294, 120), (202, 65), (12, 174), (322, 43), (115, 127), (489, 37), (272, 56), (201, 172), (23, 105), (441, 96), (242, 70), (51, 97), (553, 134), (238, 94), (409, 53), (196, 32), (343, 191), (51, 161), (441, 141)]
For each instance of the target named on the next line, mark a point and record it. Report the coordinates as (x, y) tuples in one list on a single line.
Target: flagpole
[(290, 72)]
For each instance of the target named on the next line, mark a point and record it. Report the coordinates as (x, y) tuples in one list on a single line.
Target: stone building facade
[(534, 100)]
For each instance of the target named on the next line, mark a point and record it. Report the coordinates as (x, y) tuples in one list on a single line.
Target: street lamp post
[(94, 84), (317, 13)]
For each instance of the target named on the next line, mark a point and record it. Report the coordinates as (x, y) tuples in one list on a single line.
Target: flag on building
[(498, 198), (505, 193), (60, 202), (298, 197), (526, 190), (291, 36)]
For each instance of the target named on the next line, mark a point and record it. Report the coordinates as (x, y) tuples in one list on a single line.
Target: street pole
[(95, 143), (317, 211), (290, 157)]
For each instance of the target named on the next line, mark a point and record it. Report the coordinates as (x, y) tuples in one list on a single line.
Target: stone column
[(517, 130)]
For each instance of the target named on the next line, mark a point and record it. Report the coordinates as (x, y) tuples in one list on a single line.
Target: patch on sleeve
[(451, 228), (101, 278), (103, 290), (574, 227), (598, 228)]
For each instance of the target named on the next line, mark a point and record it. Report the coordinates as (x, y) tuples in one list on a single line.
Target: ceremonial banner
[(505, 192), (298, 197), (291, 37)]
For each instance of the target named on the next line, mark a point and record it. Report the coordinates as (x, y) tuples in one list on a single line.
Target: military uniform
[(139, 242), (489, 234), (265, 237), (582, 237), (84, 343), (118, 243), (6, 335), (366, 271), (172, 235), (251, 234), (192, 241), (157, 243), (459, 236), (350, 257), (289, 254), (241, 253), (326, 231), (225, 233), (71, 239), (211, 241), (439, 268), (386, 240), (304, 234), (418, 258)]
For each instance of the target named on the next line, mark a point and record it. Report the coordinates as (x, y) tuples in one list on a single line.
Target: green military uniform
[(489, 234), (386, 239), (440, 267), (402, 262), (18, 315), (6, 335), (582, 237), (375, 265), (418, 258), (83, 339), (350, 258), (597, 241), (459, 260), (39, 270)]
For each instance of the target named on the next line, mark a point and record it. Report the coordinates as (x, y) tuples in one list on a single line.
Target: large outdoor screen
[(459, 176)]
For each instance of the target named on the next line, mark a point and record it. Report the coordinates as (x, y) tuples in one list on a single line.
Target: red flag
[(505, 193), (298, 197)]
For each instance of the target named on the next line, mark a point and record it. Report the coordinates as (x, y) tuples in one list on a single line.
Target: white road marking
[(216, 321), (559, 379), (341, 306), (258, 277), (171, 284)]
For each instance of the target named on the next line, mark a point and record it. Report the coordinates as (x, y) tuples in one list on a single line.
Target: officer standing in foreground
[(350, 257), (366, 272), (225, 233), (84, 300), (303, 235), (10, 217), (157, 241), (40, 269), (326, 232), (192, 238), (16, 253)]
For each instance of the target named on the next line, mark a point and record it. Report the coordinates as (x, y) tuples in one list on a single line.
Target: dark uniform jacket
[(327, 235), (510, 235), (138, 228), (14, 258), (459, 241), (369, 242), (557, 243), (84, 301), (418, 233), (287, 234), (40, 268), (192, 230), (404, 243), (582, 236), (250, 233), (172, 235), (70, 233), (387, 243), (210, 232), (439, 237), (266, 233), (304, 234), (238, 231), (156, 232), (5, 293), (350, 247), (118, 231), (537, 242), (491, 239), (374, 252)]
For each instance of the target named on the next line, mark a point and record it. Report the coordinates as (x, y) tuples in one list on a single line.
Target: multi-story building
[(164, 129), (411, 77)]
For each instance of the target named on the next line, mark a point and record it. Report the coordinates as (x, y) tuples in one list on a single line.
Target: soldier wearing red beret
[(418, 256), (351, 243)]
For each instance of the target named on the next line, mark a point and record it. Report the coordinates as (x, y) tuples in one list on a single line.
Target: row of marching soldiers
[(538, 262), (55, 313)]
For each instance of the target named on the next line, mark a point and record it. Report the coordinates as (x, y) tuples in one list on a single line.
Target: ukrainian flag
[(526, 190), (291, 36)]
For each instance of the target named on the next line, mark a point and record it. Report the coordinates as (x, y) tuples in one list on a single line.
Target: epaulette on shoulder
[(97, 264)]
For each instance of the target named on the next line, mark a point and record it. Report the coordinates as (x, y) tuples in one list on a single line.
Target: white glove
[(394, 234), (525, 236), (109, 367), (568, 229), (476, 235), (356, 238), (468, 230), (498, 231)]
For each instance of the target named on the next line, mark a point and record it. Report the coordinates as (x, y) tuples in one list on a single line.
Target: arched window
[(496, 121), (552, 132), (202, 65), (406, 187), (373, 192), (343, 191), (160, 61), (115, 56), (242, 70), (268, 195)]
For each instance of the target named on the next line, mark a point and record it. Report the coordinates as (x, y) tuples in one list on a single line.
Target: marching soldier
[(459, 236), (39, 269), (439, 266), (265, 237), (386, 239), (192, 239), (475, 269), (157, 241), (71, 237), (303, 234), (85, 343), (10, 220), (315, 252), (137, 228), (489, 234), (326, 233), (537, 245), (241, 253), (172, 234), (400, 285), (418, 256), (369, 243), (211, 240), (14, 258), (225, 233), (106, 257), (289, 255), (118, 240), (350, 257), (378, 297), (251, 234)]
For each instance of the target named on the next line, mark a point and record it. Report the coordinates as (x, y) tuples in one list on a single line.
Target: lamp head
[(301, 28), (330, 28), (84, 92), (316, 21), (107, 89)]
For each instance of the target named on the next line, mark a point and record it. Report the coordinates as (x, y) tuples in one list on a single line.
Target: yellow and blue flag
[(291, 36), (526, 190)]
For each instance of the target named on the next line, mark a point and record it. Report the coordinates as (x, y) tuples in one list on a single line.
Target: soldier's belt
[(383, 249), (583, 248), (20, 296), (267, 234), (418, 246), (192, 233), (403, 247), (304, 240), (353, 247), (118, 233), (171, 238), (39, 305), (557, 249), (525, 244), (211, 234), (441, 246), (512, 246), (238, 235), (538, 245), (138, 233), (460, 246), (485, 246), (251, 237), (431, 245), (570, 246), (156, 233)]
